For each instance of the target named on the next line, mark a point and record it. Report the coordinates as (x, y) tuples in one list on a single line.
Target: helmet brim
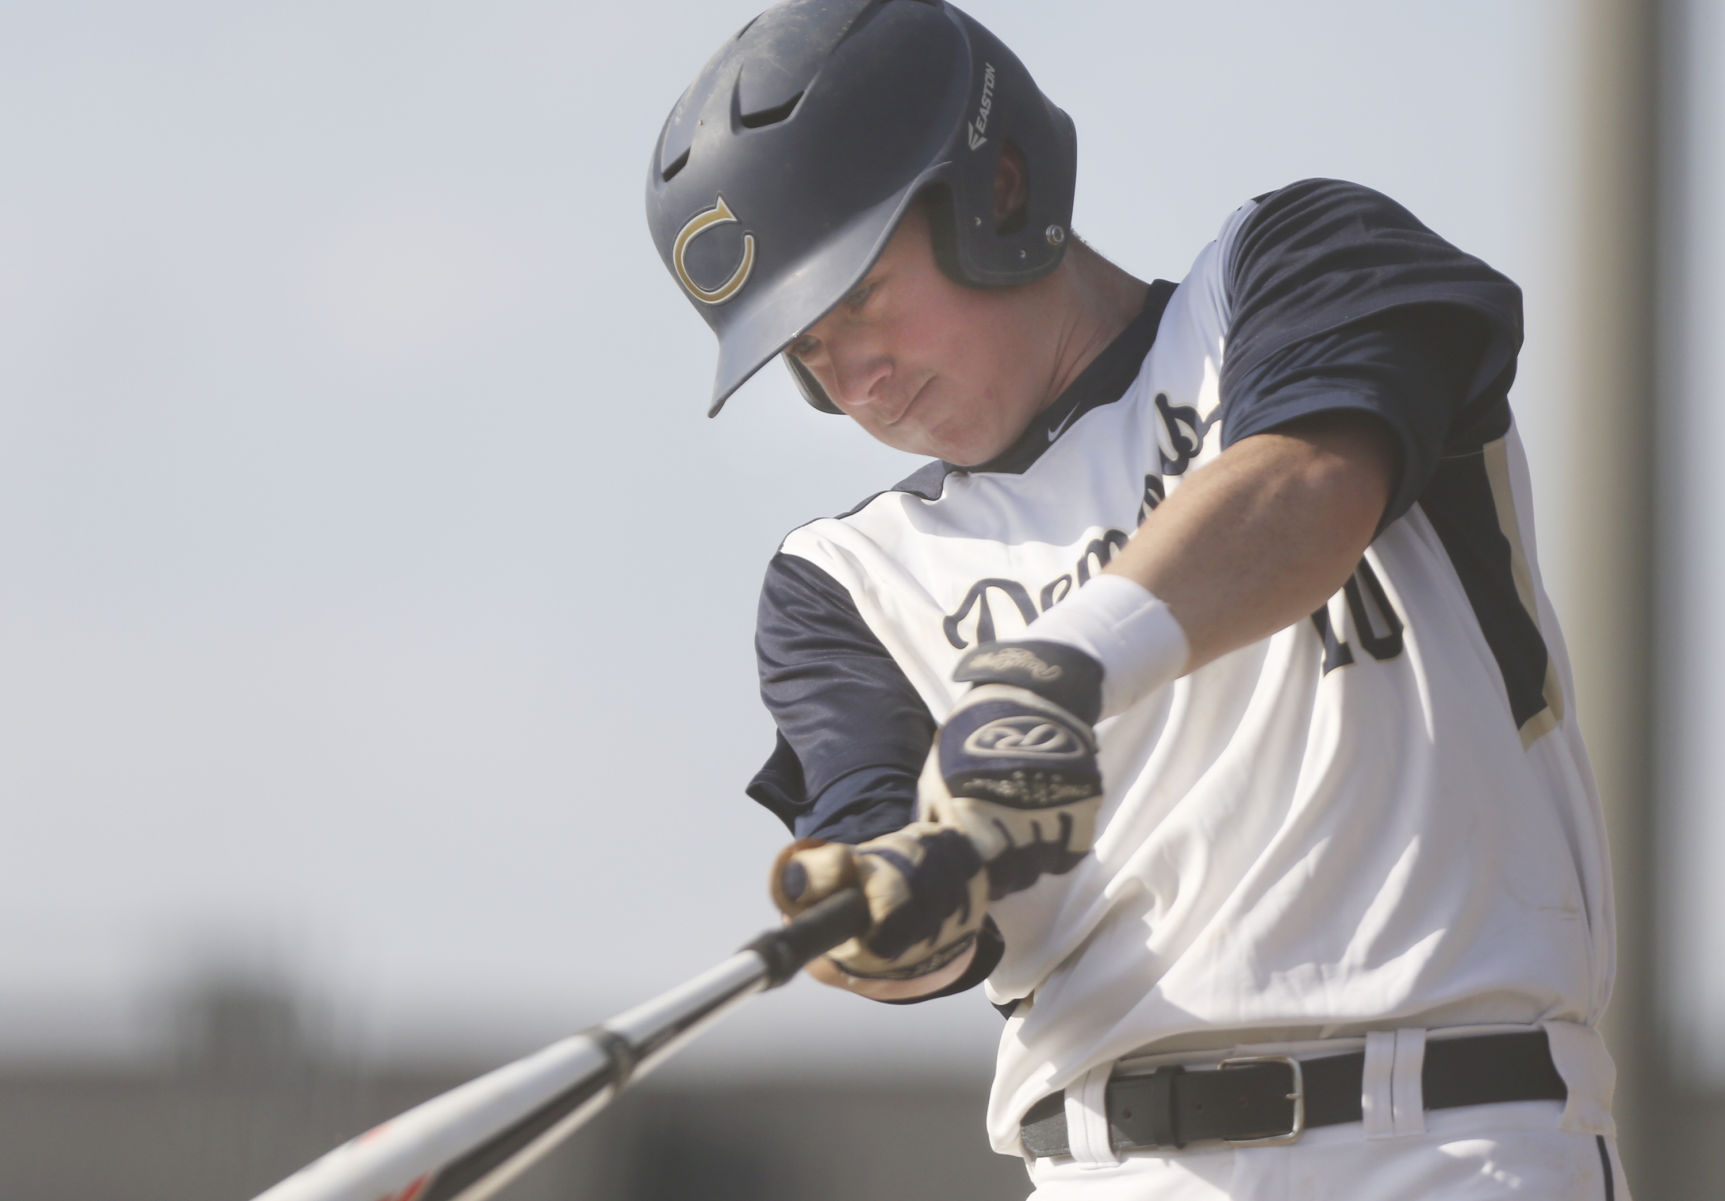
[(770, 319)]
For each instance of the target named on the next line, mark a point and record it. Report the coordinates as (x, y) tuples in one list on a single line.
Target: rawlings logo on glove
[(1024, 736), (996, 658), (1014, 766)]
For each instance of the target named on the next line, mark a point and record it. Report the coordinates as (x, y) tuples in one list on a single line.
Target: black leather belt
[(1270, 1099)]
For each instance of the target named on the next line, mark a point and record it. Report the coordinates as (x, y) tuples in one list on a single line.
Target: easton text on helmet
[(979, 126)]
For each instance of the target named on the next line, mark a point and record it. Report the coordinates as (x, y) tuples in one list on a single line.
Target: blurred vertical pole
[(1619, 115)]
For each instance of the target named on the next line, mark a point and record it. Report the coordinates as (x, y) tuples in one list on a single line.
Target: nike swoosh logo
[(1064, 422)]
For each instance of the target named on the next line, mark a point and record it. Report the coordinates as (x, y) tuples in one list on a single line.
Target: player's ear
[(1011, 190)]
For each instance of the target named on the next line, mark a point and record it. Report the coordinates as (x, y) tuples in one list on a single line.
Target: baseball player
[(1200, 699)]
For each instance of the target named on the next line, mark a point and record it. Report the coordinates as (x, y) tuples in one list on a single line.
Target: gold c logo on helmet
[(698, 225)]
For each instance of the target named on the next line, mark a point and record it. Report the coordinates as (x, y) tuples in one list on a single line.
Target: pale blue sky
[(377, 600)]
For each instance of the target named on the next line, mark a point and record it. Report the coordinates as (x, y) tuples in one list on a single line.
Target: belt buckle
[(1298, 1097)]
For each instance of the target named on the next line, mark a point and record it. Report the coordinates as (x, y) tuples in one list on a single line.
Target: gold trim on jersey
[(699, 224), (1496, 458)]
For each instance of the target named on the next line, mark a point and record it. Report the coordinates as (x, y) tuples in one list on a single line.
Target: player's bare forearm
[(1263, 536)]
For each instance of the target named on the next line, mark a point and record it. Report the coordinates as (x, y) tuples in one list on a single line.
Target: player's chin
[(913, 438), (941, 431), (968, 444)]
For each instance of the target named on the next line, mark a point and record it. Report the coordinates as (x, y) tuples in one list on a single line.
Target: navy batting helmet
[(783, 170)]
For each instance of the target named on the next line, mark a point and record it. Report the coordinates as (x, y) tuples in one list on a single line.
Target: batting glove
[(926, 892), (1009, 793), (1014, 767)]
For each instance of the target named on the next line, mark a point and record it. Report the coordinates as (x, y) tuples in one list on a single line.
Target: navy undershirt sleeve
[(1341, 300), (852, 731)]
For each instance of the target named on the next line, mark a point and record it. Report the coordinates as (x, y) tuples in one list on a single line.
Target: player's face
[(927, 365)]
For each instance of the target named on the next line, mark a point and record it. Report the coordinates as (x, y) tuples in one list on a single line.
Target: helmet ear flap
[(941, 207), (810, 387)]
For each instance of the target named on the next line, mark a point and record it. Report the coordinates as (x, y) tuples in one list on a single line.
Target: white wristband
[(1126, 628)]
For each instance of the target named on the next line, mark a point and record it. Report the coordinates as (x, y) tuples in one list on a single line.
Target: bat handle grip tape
[(811, 934)]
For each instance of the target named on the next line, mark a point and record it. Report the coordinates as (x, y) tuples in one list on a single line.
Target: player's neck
[(1096, 301)]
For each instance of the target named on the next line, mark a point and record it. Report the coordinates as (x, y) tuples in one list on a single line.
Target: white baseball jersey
[(1380, 816)]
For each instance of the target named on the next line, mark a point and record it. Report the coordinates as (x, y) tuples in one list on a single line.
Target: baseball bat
[(469, 1142)]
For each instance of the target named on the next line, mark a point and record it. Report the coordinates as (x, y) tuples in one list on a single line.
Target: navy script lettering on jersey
[(1181, 441), (1376, 624), (974, 620), (1185, 434)]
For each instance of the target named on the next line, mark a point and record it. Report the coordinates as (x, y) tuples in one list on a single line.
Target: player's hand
[(926, 893), (1014, 767), (1009, 793)]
